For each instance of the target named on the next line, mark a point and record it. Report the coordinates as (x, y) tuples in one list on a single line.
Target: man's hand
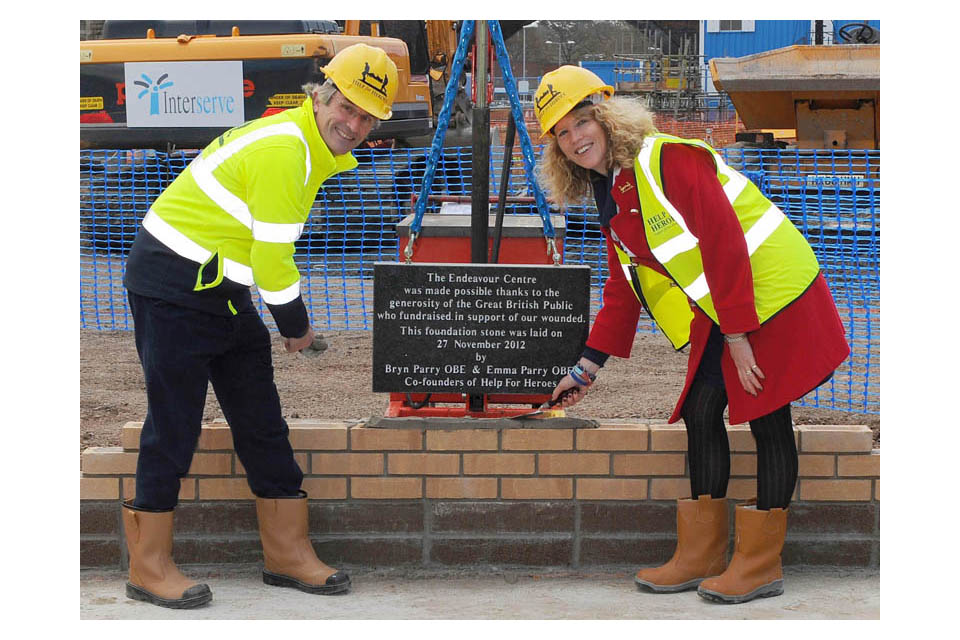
[(293, 345)]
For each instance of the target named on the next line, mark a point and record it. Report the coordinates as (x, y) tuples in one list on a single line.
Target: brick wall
[(506, 497)]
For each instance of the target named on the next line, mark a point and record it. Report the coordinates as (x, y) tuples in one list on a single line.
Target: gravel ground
[(112, 391)]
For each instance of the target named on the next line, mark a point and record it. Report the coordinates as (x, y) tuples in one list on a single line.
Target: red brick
[(648, 464), (107, 461), (537, 439), (300, 456), (848, 490), (462, 440), (386, 488), (498, 463), (352, 464), (740, 438), (836, 439), (743, 464), (862, 465), (668, 437), (614, 438), (130, 435), (536, 488), (371, 439), (224, 489), (215, 437), (611, 488), (429, 464), (211, 464), (318, 436), (99, 488), (574, 464), (455, 488), (325, 488), (817, 465), (669, 488), (742, 488)]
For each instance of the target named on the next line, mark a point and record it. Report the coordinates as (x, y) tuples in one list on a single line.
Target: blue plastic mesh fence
[(833, 197)]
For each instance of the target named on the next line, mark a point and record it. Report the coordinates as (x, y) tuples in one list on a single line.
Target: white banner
[(184, 94)]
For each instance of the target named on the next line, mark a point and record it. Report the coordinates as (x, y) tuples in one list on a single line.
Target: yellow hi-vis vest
[(781, 260), (245, 199)]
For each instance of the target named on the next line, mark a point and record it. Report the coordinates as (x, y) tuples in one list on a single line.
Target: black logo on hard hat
[(550, 96), (381, 86)]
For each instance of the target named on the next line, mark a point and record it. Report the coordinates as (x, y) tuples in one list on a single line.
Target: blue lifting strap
[(443, 122)]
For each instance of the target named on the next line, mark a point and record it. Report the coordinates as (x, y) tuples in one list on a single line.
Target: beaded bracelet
[(728, 339), (581, 376)]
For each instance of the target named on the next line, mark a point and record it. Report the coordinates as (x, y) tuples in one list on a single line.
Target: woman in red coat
[(594, 145)]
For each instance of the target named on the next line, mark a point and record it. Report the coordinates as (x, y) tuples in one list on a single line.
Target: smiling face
[(342, 124), (582, 140)]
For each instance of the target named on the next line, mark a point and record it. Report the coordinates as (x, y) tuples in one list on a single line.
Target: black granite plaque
[(477, 329)]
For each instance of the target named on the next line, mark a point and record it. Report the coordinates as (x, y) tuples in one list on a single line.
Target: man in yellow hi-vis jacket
[(227, 222)]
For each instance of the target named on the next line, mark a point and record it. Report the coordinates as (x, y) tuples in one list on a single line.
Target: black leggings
[(708, 449)]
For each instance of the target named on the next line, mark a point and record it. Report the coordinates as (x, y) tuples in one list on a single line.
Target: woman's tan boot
[(703, 533), (288, 557), (755, 570), (154, 578)]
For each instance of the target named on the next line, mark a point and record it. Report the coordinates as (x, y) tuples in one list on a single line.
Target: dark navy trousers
[(181, 349)]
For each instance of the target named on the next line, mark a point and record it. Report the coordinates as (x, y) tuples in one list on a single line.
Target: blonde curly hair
[(626, 121)]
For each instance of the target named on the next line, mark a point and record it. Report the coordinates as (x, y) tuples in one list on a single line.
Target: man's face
[(342, 124)]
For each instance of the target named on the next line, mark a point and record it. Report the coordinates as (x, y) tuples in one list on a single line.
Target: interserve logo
[(153, 88)]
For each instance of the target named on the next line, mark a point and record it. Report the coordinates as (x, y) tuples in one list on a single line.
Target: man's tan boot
[(702, 539), (288, 557), (154, 578), (755, 570)]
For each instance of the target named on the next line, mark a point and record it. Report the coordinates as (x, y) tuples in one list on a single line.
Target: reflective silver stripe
[(674, 247), (736, 182), (202, 169), (187, 248), (698, 288), (273, 232), (685, 241), (237, 272), (173, 239), (763, 228), (283, 296)]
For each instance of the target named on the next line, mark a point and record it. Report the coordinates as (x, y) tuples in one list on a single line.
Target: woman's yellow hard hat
[(366, 76), (561, 90)]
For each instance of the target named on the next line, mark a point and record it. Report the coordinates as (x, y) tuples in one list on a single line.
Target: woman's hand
[(587, 372), (748, 371), (573, 397)]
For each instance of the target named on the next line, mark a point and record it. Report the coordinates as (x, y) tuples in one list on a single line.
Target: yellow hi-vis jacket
[(244, 201), (781, 260)]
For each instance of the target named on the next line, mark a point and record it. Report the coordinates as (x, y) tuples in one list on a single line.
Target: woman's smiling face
[(582, 140)]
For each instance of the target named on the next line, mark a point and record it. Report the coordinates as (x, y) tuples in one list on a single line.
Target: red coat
[(796, 349)]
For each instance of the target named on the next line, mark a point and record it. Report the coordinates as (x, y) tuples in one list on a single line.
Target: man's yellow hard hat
[(366, 76), (561, 90)]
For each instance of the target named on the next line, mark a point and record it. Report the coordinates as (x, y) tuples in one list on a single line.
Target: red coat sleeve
[(615, 326), (691, 185)]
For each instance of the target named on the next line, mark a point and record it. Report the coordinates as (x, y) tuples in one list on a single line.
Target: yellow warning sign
[(285, 100), (94, 103)]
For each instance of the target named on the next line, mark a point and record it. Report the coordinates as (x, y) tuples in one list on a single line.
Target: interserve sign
[(184, 94)]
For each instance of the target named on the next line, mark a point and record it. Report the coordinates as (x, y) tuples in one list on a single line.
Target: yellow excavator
[(178, 84)]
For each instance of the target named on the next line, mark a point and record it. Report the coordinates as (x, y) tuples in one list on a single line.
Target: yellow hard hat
[(366, 76), (561, 90)]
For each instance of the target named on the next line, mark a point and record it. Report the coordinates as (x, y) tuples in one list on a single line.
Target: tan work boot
[(755, 570), (288, 557), (154, 578), (702, 539)]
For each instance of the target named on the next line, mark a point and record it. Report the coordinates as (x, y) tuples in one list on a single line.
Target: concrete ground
[(488, 594)]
